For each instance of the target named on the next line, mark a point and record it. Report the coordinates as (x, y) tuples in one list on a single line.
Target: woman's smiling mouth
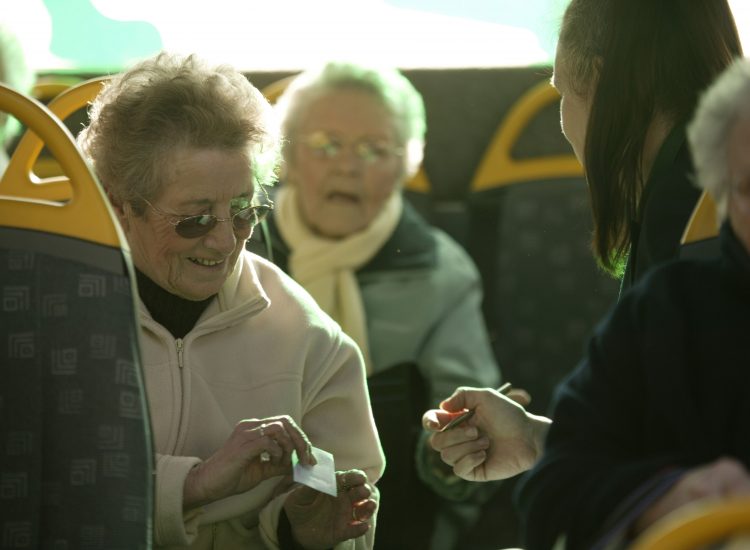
[(205, 262)]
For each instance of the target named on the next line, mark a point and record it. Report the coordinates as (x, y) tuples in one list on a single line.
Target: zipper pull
[(179, 353)]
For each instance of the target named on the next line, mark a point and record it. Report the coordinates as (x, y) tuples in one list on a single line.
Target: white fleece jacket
[(262, 348)]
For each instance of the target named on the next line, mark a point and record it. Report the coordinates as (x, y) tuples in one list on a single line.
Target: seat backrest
[(705, 524), (529, 233), (76, 460), (700, 239)]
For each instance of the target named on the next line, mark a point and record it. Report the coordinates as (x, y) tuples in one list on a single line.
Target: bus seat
[(76, 456), (529, 233), (704, 524), (700, 239)]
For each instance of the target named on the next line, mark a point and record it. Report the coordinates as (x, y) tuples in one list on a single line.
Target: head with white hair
[(353, 134), (719, 137), (724, 104)]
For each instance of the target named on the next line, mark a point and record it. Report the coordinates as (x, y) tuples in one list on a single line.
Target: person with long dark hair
[(630, 73), (655, 417)]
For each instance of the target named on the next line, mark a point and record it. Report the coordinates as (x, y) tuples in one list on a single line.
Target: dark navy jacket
[(665, 384)]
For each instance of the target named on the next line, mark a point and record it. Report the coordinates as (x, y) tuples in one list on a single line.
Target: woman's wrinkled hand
[(256, 450), (499, 441), (322, 521)]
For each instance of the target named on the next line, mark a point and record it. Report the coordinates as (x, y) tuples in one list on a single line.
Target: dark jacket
[(665, 383), (666, 205)]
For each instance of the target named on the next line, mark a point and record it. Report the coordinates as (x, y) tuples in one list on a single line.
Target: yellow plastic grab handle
[(698, 525), (86, 215), (499, 168), (30, 147)]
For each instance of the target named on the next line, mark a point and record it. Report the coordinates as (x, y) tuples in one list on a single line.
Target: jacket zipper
[(179, 343), (179, 352)]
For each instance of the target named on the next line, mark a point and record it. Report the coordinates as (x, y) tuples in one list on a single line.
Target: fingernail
[(471, 431)]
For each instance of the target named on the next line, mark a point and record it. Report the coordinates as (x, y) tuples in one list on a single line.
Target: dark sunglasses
[(192, 227)]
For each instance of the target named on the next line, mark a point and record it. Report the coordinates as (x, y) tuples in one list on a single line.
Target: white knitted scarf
[(326, 267)]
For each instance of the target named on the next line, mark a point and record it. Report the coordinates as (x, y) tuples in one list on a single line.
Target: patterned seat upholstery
[(543, 291), (75, 447)]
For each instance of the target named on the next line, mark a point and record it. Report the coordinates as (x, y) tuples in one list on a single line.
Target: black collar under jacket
[(411, 246), (178, 315), (665, 206)]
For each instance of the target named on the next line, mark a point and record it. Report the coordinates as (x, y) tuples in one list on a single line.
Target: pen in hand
[(504, 390)]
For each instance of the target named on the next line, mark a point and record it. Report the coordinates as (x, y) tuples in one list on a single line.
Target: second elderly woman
[(241, 366), (407, 293)]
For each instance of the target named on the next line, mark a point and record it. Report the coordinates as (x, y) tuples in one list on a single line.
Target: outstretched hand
[(255, 451), (322, 521), (499, 441)]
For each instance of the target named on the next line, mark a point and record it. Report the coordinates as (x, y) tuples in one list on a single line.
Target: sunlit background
[(253, 35)]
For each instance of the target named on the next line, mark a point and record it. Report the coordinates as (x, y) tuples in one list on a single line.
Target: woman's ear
[(122, 210), (598, 66)]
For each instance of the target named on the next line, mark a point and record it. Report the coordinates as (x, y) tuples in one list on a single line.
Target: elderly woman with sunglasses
[(407, 293), (242, 368)]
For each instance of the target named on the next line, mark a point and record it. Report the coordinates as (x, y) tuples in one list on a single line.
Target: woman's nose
[(222, 237), (348, 161)]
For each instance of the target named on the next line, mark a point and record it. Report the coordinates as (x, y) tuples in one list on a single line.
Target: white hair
[(391, 87), (726, 102)]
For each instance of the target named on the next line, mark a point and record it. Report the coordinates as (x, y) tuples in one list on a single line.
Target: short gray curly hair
[(725, 102), (170, 102), (390, 86)]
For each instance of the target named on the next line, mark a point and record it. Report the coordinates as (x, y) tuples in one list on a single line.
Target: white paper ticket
[(321, 476)]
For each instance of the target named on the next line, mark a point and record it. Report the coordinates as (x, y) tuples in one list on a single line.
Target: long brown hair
[(637, 59)]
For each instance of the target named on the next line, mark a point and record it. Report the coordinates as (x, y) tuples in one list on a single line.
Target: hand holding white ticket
[(328, 507), (320, 476)]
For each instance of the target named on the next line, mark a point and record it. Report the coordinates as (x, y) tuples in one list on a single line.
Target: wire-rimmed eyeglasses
[(328, 146), (245, 217)]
